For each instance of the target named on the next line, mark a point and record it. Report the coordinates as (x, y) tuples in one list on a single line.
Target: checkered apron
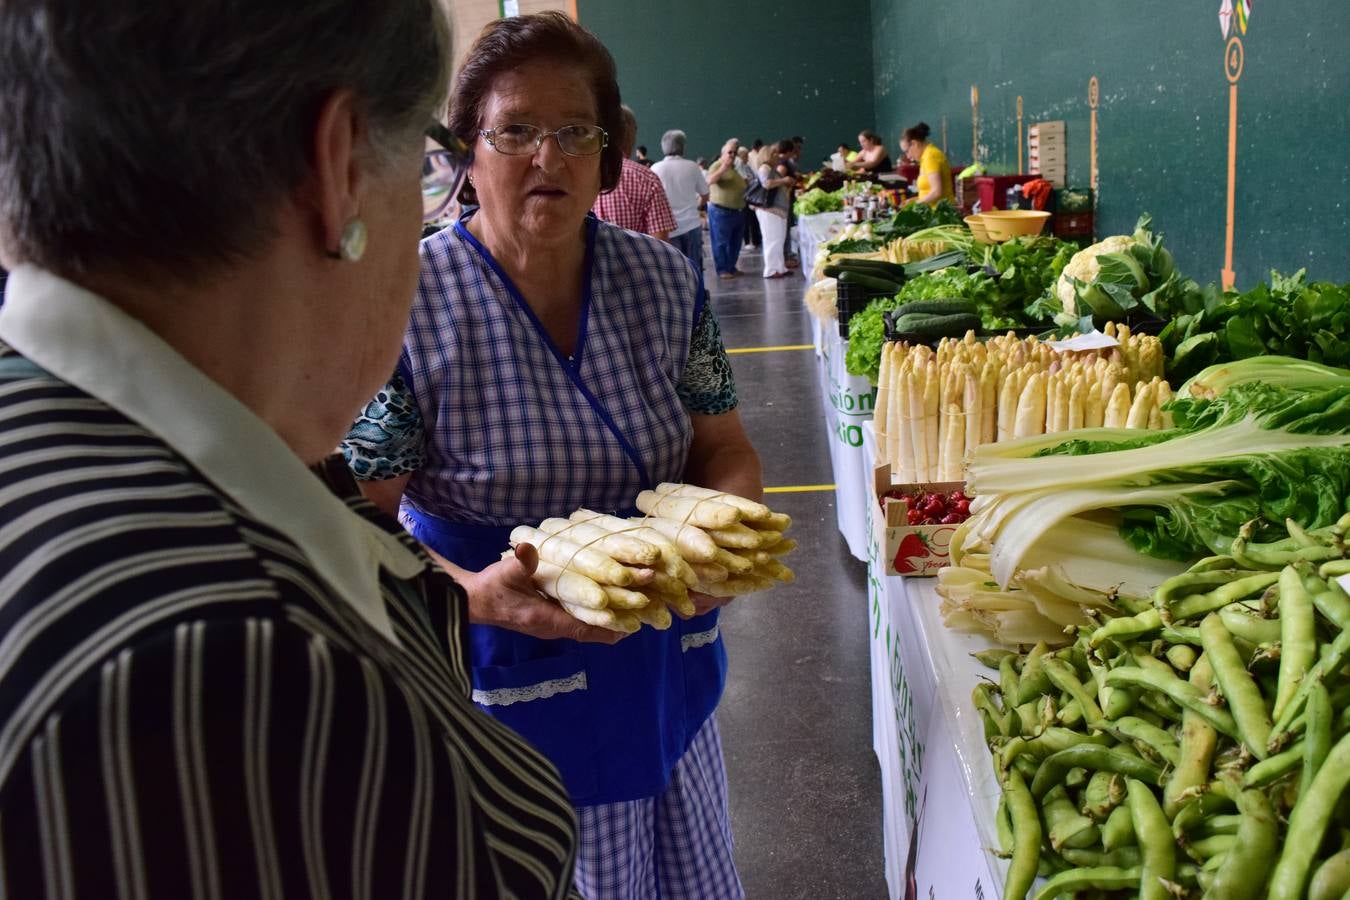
[(519, 432)]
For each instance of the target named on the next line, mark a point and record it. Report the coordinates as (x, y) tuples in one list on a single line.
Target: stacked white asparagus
[(934, 407), (622, 573)]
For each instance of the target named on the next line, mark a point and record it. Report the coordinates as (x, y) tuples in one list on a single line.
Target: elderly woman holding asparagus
[(557, 363)]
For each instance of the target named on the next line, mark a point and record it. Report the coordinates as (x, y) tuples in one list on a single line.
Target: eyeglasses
[(443, 171), (521, 140)]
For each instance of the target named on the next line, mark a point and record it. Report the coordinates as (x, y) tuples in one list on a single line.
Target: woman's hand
[(504, 595), (706, 603)]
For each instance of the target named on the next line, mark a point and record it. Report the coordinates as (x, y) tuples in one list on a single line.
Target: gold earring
[(352, 244)]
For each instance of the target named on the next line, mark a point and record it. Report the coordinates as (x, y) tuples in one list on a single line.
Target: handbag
[(757, 195)]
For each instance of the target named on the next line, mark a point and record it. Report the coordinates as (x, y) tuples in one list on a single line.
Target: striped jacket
[(187, 712)]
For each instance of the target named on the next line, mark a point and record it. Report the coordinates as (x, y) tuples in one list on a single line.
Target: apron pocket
[(549, 703)]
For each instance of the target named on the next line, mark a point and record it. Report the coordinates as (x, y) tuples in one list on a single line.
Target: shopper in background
[(639, 202), (556, 362), (750, 227), (790, 164), (726, 210), (773, 218), (935, 173), (642, 157), (686, 187), (873, 156), (226, 673), (839, 159), (756, 154)]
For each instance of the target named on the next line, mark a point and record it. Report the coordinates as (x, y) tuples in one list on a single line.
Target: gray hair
[(629, 129), (672, 142), (153, 135)]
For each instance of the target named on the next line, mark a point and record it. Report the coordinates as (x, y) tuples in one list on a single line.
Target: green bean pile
[(1196, 746)]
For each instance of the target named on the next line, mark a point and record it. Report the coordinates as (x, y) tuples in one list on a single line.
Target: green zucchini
[(868, 282), (928, 325), (940, 307), (878, 267)]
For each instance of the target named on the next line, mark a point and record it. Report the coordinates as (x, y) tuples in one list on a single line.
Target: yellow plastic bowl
[(1006, 224), (976, 226)]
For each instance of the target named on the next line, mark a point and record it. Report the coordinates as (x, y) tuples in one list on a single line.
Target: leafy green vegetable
[(1276, 370), (866, 335), (1288, 317), (1003, 283), (856, 245), (914, 217), (818, 201), (1256, 452)]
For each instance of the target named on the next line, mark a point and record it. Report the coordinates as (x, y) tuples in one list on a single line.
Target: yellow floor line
[(772, 349), (798, 488)]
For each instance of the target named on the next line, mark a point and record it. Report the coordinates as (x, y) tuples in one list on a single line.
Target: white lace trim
[(541, 691), (698, 639)]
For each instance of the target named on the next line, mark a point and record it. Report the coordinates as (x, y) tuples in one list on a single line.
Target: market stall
[(1126, 668), (938, 795), (815, 230)]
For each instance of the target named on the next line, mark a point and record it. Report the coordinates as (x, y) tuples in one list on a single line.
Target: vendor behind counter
[(935, 172)]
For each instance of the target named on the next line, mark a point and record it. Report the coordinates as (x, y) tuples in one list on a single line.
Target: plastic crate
[(850, 299), (1079, 224)]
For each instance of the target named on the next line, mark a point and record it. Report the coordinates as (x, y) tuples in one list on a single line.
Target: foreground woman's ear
[(335, 181)]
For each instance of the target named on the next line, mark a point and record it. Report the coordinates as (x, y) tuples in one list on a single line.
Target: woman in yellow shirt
[(935, 173)]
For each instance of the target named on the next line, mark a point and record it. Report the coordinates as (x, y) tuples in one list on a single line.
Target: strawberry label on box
[(918, 521)]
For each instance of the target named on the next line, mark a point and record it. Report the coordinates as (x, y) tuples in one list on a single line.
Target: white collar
[(90, 343)]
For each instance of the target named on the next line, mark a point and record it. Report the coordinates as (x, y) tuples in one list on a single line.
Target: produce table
[(939, 793), (814, 230), (847, 401)]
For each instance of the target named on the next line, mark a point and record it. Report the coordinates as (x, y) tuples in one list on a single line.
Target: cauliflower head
[(1084, 267)]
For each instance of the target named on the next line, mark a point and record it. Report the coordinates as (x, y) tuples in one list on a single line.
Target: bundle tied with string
[(620, 573)]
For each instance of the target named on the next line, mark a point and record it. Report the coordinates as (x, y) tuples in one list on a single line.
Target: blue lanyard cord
[(571, 367)]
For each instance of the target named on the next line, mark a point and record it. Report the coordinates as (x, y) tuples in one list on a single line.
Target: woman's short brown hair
[(511, 42)]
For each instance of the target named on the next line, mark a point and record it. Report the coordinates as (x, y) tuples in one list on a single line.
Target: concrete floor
[(796, 717)]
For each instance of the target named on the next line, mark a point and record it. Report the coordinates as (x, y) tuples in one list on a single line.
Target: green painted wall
[(1163, 116), (759, 68)]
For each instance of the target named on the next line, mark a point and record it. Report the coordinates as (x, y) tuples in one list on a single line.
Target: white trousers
[(775, 229)]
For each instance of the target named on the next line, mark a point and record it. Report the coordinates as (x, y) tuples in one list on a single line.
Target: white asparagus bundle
[(703, 512), (566, 586), (625, 548), (778, 522), (710, 573), (732, 563), (988, 384), (623, 598), (749, 509), (776, 570), (756, 557), (577, 558), (656, 615), (740, 586), (736, 536), (613, 619), (622, 573), (693, 543), (672, 562)]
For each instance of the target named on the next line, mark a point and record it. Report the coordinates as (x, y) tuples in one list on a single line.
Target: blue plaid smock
[(518, 432)]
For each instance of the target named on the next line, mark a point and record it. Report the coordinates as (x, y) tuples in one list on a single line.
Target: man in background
[(686, 189), (639, 202)]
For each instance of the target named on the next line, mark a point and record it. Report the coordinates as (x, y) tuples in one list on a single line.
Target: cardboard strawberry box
[(912, 550)]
